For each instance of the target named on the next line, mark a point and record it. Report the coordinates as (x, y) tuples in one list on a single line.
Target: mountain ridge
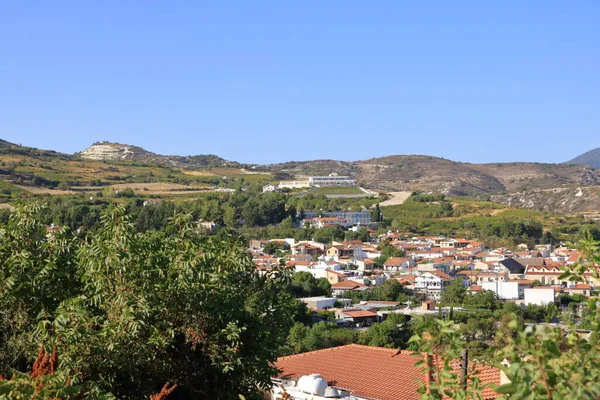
[(510, 182), (591, 158)]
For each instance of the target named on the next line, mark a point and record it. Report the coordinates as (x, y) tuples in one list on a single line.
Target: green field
[(336, 190)]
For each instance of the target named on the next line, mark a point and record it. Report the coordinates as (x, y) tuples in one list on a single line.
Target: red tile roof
[(347, 284), (360, 313), (394, 261), (372, 372), (440, 274)]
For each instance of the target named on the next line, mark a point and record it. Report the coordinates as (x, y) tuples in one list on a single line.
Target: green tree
[(484, 299), (454, 293), (389, 291), (304, 284), (320, 336), (376, 213), (132, 311), (389, 333)]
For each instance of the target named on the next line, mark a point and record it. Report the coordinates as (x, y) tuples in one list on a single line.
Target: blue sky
[(269, 81)]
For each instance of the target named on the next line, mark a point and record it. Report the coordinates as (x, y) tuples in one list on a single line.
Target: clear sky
[(269, 81)]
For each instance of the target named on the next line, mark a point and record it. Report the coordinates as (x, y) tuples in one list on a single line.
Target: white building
[(539, 295), (331, 180), (432, 283), (504, 290), (270, 188), (324, 303), (318, 270), (294, 184)]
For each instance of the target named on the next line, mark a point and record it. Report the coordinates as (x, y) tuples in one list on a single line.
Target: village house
[(358, 317), (432, 283), (434, 252), (314, 250), (346, 251), (341, 288), (324, 303), (319, 269), (323, 222), (515, 269), (366, 265), (334, 276), (583, 289), (398, 264), (364, 373)]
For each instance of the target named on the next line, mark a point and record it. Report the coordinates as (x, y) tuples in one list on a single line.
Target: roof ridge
[(351, 345), (382, 349), (329, 349)]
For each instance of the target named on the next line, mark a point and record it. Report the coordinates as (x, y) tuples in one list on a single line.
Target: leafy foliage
[(131, 311)]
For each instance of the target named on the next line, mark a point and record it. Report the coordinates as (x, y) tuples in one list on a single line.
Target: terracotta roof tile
[(371, 372), (360, 313), (347, 284)]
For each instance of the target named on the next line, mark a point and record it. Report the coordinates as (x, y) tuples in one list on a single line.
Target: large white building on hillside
[(331, 180)]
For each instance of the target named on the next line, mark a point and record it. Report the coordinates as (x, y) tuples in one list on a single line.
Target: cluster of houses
[(430, 264)]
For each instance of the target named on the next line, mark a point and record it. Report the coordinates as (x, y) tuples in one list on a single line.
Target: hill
[(8, 148), (108, 151), (524, 184), (591, 158), (522, 176), (439, 175)]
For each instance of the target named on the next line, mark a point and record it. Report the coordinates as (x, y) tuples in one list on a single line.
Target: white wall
[(539, 296), (319, 303), (505, 290)]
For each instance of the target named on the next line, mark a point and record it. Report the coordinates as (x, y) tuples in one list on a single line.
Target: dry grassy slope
[(433, 174), (426, 173), (560, 200), (522, 176)]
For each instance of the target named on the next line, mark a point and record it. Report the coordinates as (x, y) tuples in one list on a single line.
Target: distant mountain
[(591, 158), (109, 151), (439, 175), (569, 186)]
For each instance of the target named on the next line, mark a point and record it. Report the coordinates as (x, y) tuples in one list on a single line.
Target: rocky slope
[(424, 173), (523, 176), (433, 174), (561, 200), (108, 151)]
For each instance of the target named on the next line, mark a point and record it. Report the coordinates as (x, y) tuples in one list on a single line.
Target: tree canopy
[(129, 312)]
